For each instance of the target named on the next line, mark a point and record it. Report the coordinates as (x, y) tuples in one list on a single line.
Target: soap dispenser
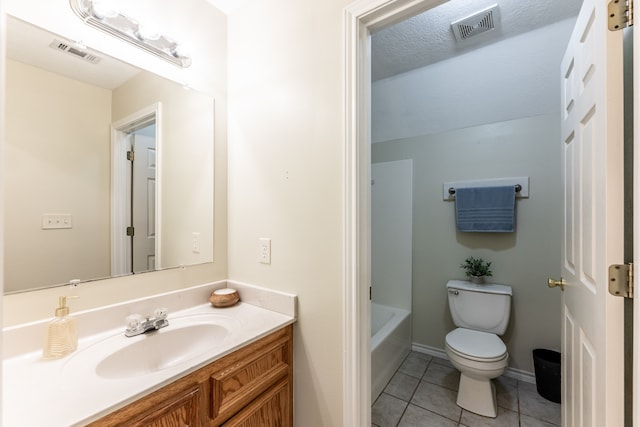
[(62, 333)]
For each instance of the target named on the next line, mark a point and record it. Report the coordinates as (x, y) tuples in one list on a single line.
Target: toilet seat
[(476, 345)]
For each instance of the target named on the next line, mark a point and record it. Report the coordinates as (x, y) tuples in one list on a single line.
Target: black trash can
[(547, 366)]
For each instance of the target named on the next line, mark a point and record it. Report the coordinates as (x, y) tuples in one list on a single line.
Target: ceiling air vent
[(478, 23), (79, 53)]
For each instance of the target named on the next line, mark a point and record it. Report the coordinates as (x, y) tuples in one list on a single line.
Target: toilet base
[(477, 396)]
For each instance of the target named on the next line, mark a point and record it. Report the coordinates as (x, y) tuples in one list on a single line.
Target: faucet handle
[(160, 313), (134, 321)]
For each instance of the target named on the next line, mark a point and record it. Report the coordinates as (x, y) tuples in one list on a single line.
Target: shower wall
[(391, 233)]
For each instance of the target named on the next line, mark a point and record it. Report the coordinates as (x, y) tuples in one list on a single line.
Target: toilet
[(481, 314)]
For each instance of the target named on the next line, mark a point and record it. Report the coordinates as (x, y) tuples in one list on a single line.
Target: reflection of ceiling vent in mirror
[(478, 23), (68, 48)]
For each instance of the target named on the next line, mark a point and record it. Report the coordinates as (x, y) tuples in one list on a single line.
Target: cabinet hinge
[(621, 280), (620, 14), (130, 231), (131, 155)]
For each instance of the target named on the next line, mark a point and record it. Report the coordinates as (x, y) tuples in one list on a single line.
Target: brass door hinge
[(621, 280), (131, 155), (620, 14)]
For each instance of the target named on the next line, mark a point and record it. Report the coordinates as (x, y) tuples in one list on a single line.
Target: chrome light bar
[(93, 13)]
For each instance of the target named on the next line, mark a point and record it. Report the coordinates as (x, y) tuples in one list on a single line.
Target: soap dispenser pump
[(62, 332)]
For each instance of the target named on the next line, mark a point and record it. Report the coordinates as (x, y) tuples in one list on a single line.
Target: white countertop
[(64, 392)]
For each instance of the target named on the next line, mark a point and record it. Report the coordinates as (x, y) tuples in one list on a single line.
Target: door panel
[(144, 203), (592, 339)]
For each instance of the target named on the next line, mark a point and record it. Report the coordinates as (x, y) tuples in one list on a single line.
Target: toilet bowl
[(480, 357), (481, 313)]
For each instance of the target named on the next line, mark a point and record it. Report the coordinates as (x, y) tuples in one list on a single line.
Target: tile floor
[(423, 393)]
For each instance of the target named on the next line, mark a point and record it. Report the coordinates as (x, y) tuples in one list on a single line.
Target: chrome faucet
[(138, 324)]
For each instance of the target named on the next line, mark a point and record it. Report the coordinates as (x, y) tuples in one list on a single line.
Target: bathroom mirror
[(72, 194)]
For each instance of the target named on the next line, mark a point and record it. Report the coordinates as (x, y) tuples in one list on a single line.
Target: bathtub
[(390, 344)]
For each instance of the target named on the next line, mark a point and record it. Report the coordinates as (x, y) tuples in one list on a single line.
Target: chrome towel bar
[(517, 188)]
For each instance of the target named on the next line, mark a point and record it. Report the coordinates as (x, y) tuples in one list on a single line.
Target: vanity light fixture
[(98, 14)]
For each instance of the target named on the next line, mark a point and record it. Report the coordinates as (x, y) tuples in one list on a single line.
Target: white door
[(592, 319), (143, 201)]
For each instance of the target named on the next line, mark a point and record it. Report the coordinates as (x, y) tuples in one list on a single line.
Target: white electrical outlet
[(195, 243), (265, 250)]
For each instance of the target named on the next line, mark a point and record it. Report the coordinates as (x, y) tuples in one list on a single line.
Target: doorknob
[(553, 283)]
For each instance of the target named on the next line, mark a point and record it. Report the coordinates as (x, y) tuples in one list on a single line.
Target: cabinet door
[(246, 374), (271, 409), (182, 411)]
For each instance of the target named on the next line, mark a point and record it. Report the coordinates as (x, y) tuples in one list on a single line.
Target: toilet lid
[(476, 344)]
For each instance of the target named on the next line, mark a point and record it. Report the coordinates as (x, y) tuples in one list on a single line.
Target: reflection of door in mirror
[(135, 184), (143, 199)]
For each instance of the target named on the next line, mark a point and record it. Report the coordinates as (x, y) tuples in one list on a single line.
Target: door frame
[(120, 185), (635, 401), (360, 18)]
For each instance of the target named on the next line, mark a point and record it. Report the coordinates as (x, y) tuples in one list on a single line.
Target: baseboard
[(519, 374), (432, 351), (514, 373)]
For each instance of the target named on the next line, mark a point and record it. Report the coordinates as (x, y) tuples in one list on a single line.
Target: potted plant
[(476, 269)]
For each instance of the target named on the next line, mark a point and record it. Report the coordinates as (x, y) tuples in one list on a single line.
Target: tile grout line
[(518, 401), (430, 363), (414, 390)]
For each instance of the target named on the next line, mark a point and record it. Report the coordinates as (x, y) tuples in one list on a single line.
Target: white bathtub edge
[(387, 354)]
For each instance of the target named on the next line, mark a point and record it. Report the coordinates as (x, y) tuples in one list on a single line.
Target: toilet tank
[(485, 307)]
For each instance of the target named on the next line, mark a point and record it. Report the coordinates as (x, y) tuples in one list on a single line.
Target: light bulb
[(103, 9), (148, 32)]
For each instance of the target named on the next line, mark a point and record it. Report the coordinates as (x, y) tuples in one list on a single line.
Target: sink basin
[(161, 350), (186, 338)]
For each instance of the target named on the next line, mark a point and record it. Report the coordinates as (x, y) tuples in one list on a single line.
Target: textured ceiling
[(428, 38)]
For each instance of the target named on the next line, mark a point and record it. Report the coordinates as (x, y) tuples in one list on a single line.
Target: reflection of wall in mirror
[(56, 161), (185, 161)]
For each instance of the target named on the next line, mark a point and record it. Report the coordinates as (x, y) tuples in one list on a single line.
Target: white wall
[(286, 148), (455, 94)]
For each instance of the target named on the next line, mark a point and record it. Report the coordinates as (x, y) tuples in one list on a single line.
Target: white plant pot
[(478, 280)]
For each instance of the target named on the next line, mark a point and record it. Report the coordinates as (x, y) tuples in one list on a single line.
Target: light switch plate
[(56, 221)]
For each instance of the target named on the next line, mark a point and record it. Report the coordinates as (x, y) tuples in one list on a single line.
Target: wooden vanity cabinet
[(251, 387)]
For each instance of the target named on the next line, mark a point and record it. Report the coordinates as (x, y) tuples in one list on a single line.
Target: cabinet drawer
[(181, 412), (164, 408), (272, 409), (250, 374)]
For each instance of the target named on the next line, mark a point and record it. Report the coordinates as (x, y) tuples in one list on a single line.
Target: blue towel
[(486, 209)]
